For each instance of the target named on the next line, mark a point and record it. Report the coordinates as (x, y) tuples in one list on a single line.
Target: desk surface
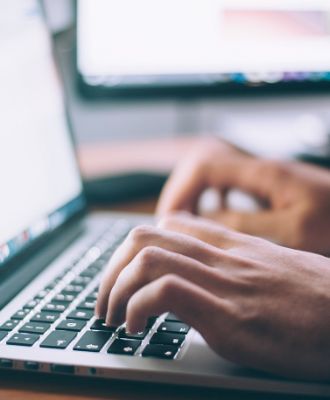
[(27, 386)]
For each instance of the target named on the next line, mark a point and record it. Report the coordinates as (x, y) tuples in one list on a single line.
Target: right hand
[(297, 195), (255, 303)]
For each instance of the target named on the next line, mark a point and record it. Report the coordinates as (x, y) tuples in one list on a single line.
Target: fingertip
[(134, 327)]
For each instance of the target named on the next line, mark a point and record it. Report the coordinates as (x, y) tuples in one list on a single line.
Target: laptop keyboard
[(62, 314)]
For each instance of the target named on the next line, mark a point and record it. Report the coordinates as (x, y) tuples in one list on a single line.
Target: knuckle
[(275, 168), (171, 220), (168, 287), (205, 145), (299, 229), (148, 257), (140, 234)]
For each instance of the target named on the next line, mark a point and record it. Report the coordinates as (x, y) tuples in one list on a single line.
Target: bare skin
[(254, 302), (296, 196)]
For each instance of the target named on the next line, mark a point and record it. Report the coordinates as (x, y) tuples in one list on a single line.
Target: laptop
[(52, 252)]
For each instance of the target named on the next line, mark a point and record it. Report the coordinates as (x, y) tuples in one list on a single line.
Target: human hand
[(255, 303), (296, 196)]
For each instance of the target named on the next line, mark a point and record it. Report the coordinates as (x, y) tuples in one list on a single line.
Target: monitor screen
[(39, 177), (170, 42)]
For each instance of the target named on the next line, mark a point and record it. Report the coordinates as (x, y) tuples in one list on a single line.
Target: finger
[(190, 303), (149, 236), (266, 224), (183, 188), (208, 231), (153, 263), (236, 170)]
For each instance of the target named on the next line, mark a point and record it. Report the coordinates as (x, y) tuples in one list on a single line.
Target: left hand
[(255, 303)]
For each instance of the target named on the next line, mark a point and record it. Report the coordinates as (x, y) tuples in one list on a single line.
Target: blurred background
[(143, 78)]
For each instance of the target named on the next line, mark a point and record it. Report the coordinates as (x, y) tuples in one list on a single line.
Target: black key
[(45, 316), (64, 298), (125, 347), (9, 325), (41, 295), (99, 325), (172, 318), (174, 327), (99, 263), (90, 272), (54, 307), (81, 280), (160, 351), (174, 339), (140, 335), (3, 335), (71, 325), (93, 341), (87, 305), (93, 295), (81, 314), (32, 303), (35, 327), (20, 314), (58, 340), (74, 290), (50, 286), (23, 339), (151, 321)]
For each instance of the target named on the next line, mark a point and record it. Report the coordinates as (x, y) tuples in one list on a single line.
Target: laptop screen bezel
[(9, 266)]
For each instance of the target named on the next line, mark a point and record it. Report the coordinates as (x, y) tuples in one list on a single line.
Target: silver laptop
[(52, 253)]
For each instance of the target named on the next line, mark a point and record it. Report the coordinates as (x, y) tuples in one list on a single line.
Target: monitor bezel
[(198, 90)]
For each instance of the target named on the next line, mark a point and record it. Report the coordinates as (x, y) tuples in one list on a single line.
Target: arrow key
[(93, 341), (23, 339), (124, 347), (58, 339)]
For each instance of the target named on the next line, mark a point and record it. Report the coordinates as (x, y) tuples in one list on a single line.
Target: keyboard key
[(55, 307), (58, 340), (74, 290), (172, 318), (90, 272), (64, 298), (32, 304), (87, 305), (9, 325), (20, 314), (125, 347), (35, 327), (93, 341), (174, 327), (3, 334), (168, 338), (71, 325), (42, 294), (160, 351), (45, 316), (81, 280), (23, 339), (151, 321), (99, 325), (140, 335), (81, 314), (93, 295)]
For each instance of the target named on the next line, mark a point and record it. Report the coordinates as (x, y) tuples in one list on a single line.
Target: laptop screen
[(39, 177)]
